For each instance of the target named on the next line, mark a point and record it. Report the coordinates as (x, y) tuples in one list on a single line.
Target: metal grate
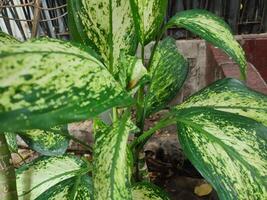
[(31, 18)]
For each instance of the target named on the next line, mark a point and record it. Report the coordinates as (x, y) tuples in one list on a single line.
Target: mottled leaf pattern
[(231, 95), (229, 150), (11, 140), (148, 191), (168, 72), (132, 72), (214, 30), (49, 143), (64, 190), (148, 17), (110, 176), (46, 82), (106, 25), (6, 39), (37, 177)]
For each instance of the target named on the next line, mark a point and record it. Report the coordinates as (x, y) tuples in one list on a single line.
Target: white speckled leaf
[(37, 177), (231, 95), (148, 17), (214, 30), (110, 175), (6, 39), (105, 25), (64, 190), (168, 72), (47, 143), (44, 83), (148, 191), (229, 150)]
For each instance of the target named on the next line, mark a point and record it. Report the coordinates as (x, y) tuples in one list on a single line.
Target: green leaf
[(231, 95), (110, 162), (105, 25), (37, 177), (11, 142), (47, 143), (229, 150), (6, 39), (148, 191), (168, 72), (148, 17), (47, 82), (214, 30), (63, 190), (132, 72)]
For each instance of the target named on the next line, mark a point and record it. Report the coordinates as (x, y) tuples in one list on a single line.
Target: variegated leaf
[(229, 150), (110, 176), (131, 72), (44, 83), (81, 190), (148, 191), (214, 30), (11, 140), (148, 17), (6, 39), (231, 95), (168, 72), (106, 25), (47, 143), (37, 177)]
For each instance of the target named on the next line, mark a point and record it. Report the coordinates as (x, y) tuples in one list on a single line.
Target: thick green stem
[(8, 189)]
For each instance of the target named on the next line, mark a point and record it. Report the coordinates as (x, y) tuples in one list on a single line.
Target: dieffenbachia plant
[(46, 84)]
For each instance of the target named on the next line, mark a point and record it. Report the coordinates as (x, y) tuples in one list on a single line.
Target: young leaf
[(6, 39), (11, 142), (37, 177), (110, 176), (231, 95), (64, 190), (214, 30), (148, 191), (148, 17), (47, 82), (229, 150), (132, 72), (168, 72), (47, 143), (106, 25)]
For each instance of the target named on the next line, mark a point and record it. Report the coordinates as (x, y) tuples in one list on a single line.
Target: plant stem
[(8, 188), (142, 139)]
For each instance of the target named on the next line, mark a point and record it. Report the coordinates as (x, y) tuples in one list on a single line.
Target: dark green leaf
[(148, 191), (148, 17), (47, 143), (37, 177), (106, 25), (214, 30), (44, 83), (110, 162), (168, 72)]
